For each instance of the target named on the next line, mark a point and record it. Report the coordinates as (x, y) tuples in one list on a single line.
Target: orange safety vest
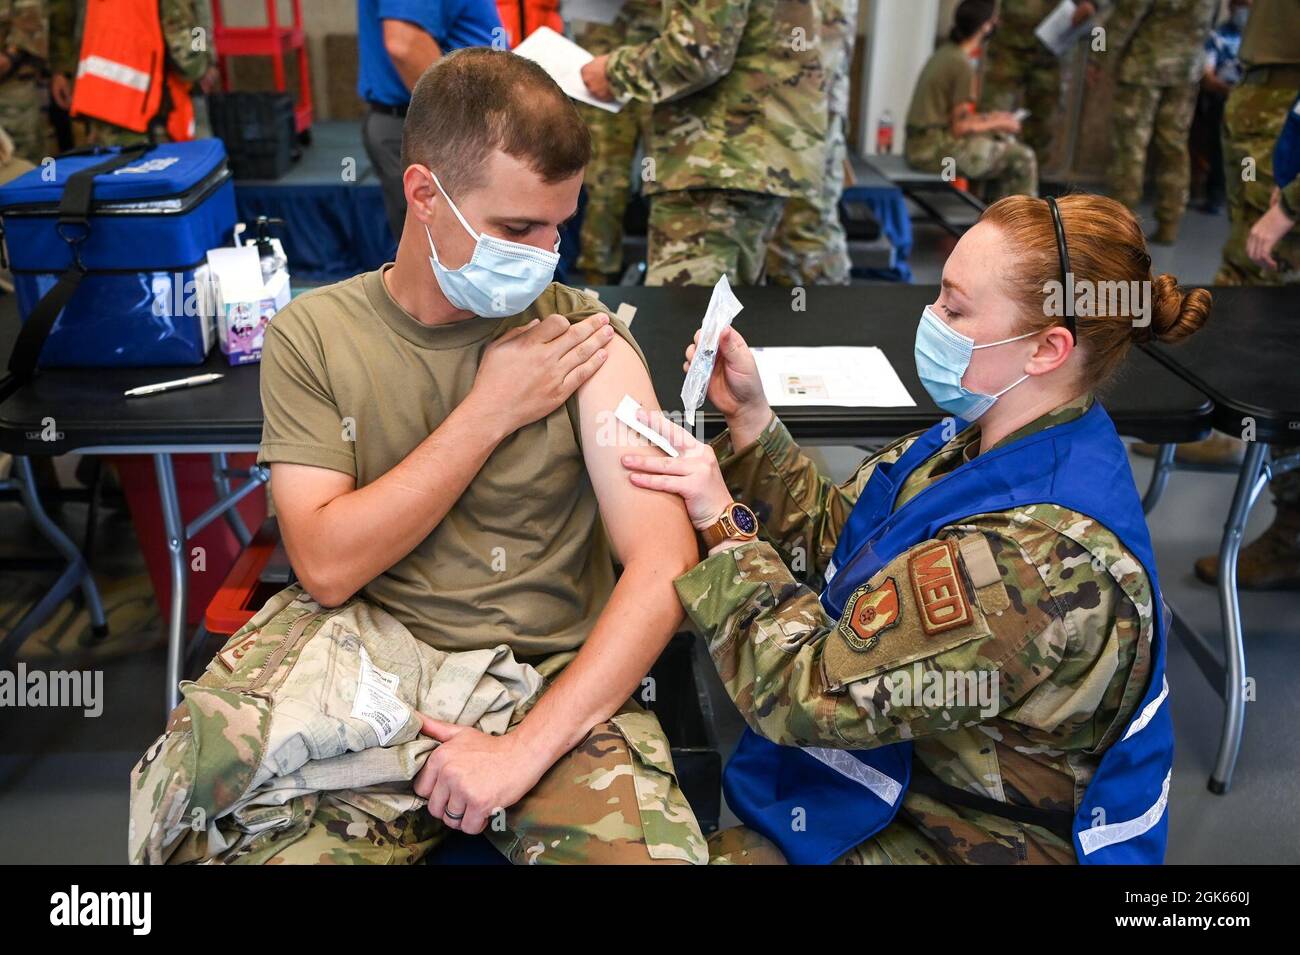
[(122, 75), (522, 17)]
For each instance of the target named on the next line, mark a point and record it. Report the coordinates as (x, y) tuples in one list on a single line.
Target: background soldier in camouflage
[(189, 56), (739, 126), (946, 135), (24, 55), (810, 246), (1252, 121), (1157, 50), (614, 138), (1066, 594), (1020, 71)]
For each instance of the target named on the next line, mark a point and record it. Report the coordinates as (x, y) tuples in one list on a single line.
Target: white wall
[(900, 38)]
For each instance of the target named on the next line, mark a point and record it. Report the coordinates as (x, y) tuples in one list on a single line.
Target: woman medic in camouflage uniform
[(1045, 615)]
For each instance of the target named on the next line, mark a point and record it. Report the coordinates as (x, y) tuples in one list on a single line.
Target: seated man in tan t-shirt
[(439, 442)]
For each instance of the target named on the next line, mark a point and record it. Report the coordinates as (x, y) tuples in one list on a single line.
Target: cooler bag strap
[(74, 210)]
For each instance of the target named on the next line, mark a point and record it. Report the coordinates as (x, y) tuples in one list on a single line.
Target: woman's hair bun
[(1175, 314)]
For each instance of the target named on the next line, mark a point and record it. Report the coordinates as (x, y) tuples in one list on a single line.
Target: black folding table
[(1247, 360)]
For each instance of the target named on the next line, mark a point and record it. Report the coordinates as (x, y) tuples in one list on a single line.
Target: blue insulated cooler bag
[(103, 245)]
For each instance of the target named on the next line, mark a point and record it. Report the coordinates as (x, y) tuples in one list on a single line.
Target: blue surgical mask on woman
[(500, 278), (942, 357)]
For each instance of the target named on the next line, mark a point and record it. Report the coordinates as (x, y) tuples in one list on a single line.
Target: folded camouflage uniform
[(302, 701)]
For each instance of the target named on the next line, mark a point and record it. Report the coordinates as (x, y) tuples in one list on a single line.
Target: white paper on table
[(626, 413), (563, 60), (844, 376), (1056, 31)]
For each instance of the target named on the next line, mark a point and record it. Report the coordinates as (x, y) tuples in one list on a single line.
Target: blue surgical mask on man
[(942, 357), (500, 278)]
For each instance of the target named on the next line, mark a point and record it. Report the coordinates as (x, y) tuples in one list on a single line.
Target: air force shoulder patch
[(868, 613)]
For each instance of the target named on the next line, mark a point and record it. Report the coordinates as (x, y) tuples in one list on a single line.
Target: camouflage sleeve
[(187, 51), (696, 46), (1290, 199), (802, 512), (1120, 26), (950, 633), (63, 37), (27, 29)]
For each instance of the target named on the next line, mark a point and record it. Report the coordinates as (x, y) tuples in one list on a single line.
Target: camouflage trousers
[(1157, 117), (1005, 165), (608, 181), (1030, 78), (612, 800), (810, 246), (698, 235), (897, 844), (918, 835), (1252, 121), (23, 118), (299, 743)]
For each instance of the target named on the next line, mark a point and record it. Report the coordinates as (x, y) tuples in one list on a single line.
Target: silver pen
[(178, 383)]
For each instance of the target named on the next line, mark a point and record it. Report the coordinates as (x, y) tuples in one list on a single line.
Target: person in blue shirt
[(397, 41), (1222, 72)]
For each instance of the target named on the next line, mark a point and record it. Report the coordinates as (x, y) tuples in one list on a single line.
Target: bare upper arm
[(638, 520), (299, 491)]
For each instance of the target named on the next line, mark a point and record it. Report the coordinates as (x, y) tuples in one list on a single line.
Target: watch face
[(743, 519)]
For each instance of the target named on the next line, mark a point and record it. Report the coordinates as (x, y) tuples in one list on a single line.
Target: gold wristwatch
[(737, 522)]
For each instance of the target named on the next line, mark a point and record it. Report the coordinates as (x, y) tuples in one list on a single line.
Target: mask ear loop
[(474, 235), (1064, 254)]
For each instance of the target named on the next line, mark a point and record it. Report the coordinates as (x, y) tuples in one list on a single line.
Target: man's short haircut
[(476, 100)]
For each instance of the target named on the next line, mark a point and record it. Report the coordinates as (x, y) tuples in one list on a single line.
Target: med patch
[(941, 599), (868, 613)]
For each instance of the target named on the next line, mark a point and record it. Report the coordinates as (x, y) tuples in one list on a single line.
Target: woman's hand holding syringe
[(735, 388)]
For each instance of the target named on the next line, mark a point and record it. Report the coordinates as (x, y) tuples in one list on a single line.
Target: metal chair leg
[(75, 573), (1159, 477), (1252, 480)]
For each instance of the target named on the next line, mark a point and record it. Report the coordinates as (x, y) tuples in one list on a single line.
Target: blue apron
[(816, 804)]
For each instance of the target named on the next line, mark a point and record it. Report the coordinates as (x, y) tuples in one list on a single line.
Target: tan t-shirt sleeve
[(301, 422), (960, 79)]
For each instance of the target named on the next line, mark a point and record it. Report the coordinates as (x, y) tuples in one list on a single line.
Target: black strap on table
[(74, 212), (927, 784)]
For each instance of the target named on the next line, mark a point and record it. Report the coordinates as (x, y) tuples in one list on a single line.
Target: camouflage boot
[(1218, 448), (1270, 562)]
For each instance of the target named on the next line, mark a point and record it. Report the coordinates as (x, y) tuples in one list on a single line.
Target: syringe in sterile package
[(723, 307)]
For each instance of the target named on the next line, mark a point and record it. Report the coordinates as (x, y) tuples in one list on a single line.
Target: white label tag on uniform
[(376, 702), (626, 413)]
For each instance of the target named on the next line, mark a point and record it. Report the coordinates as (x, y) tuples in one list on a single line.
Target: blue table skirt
[(890, 208), (331, 232)]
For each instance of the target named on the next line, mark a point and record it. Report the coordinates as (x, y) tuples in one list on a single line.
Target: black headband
[(1065, 268)]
